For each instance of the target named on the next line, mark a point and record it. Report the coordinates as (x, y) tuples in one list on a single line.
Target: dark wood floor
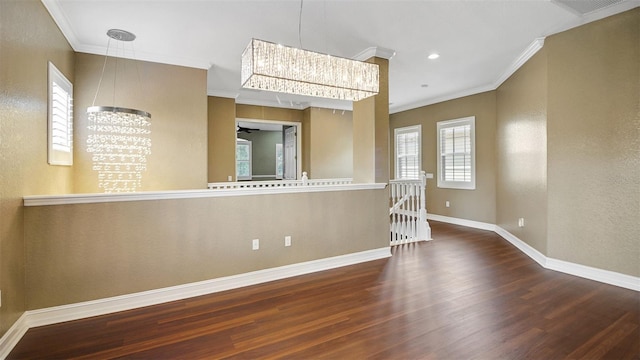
[(468, 294)]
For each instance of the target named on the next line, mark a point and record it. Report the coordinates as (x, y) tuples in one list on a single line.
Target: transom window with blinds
[(408, 152), (456, 153), (60, 122)]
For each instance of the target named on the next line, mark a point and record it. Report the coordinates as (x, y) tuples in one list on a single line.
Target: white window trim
[(279, 161), (58, 156), (404, 130), (466, 185)]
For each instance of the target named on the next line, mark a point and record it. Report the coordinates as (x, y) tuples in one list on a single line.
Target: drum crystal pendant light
[(119, 138)]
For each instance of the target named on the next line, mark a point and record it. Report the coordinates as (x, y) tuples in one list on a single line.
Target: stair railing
[(305, 181), (408, 211)]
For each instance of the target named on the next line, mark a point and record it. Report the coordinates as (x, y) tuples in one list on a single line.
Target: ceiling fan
[(243, 129)]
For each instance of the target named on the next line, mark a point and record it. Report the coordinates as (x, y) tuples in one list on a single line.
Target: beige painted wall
[(28, 40), (330, 144), (176, 98), (221, 139), (118, 248), (222, 116), (371, 150), (263, 149), (478, 204), (306, 139), (567, 160), (593, 144), (268, 113), (522, 152), (327, 150), (364, 160)]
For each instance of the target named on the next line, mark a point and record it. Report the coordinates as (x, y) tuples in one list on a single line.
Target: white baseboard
[(588, 272), (13, 335), (57, 314), (530, 251), (76, 311), (583, 271), (464, 222)]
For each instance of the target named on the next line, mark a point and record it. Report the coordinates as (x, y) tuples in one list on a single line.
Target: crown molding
[(443, 98), (57, 14), (527, 54), (145, 56), (375, 51), (223, 93), (284, 104), (531, 50), (53, 6)]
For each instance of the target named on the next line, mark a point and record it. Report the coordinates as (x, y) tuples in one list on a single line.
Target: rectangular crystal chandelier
[(274, 67)]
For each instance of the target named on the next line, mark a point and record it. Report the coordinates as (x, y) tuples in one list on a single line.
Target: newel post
[(424, 231)]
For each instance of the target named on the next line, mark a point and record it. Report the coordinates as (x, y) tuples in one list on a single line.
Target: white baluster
[(405, 206), (393, 213), (424, 230), (416, 212), (396, 216), (406, 211), (412, 198)]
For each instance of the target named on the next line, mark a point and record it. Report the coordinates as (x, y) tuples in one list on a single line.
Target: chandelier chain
[(104, 65), (115, 77), (133, 51), (300, 25)]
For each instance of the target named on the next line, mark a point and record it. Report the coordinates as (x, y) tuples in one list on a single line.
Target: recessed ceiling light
[(433, 56)]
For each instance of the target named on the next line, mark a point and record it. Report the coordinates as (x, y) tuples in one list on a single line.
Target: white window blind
[(408, 152), (60, 118), (456, 153)]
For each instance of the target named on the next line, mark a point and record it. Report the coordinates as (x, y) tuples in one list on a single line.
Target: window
[(408, 151), (243, 159), (60, 118), (456, 153)]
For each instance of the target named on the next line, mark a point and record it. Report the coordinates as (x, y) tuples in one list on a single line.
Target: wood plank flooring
[(468, 294)]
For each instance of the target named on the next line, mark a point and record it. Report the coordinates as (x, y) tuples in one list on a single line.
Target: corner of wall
[(221, 130)]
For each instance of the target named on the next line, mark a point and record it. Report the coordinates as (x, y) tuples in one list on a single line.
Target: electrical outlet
[(287, 240), (229, 178), (447, 204), (256, 244), (521, 222)]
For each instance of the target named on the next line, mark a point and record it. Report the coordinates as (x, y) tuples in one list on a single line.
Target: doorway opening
[(274, 153)]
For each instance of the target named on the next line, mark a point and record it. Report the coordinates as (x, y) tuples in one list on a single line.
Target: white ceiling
[(260, 125), (481, 42)]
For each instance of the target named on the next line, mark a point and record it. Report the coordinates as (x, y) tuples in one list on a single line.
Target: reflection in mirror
[(268, 153)]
